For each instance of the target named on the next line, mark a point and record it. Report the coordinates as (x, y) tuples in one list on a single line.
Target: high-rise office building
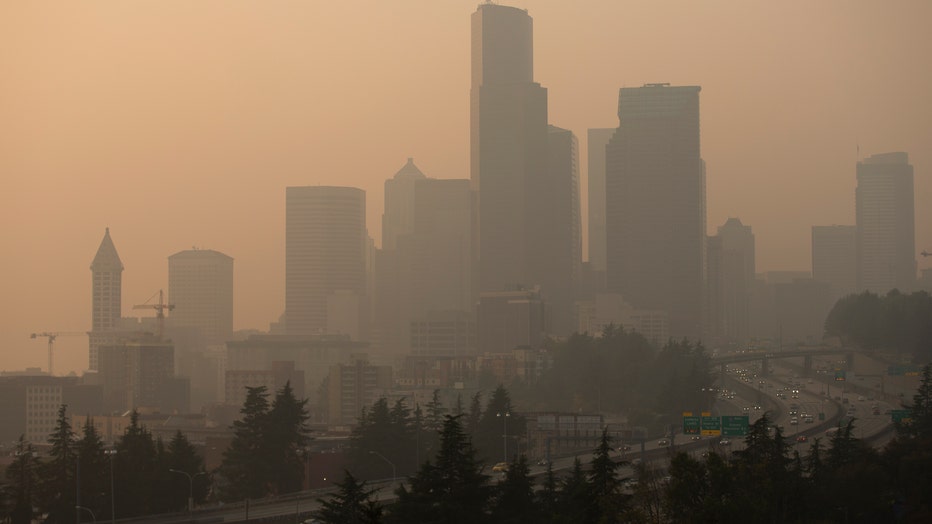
[(428, 266), (655, 205), (106, 293), (731, 274), (834, 258), (508, 143), (556, 236), (886, 223), (398, 216), (442, 243), (325, 259), (596, 142), (200, 287)]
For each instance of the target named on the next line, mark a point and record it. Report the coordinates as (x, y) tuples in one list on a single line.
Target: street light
[(504, 416), (390, 463), (190, 486), (94, 517), (110, 453)]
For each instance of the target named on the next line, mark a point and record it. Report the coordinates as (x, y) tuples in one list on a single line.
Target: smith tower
[(655, 205), (508, 145), (106, 291)]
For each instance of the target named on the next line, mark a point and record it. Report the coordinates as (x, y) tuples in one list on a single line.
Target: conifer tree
[(286, 436), (514, 500), (135, 469), (95, 469), (574, 502), (352, 504), (245, 469), (604, 485), (20, 493), (58, 473), (454, 490)]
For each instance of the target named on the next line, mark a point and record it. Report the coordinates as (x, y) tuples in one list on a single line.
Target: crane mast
[(160, 307), (51, 336)]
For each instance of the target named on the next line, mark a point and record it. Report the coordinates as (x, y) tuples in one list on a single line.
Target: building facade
[(508, 143), (200, 287), (325, 253), (106, 297), (731, 273), (834, 258), (655, 205), (597, 140), (886, 224), (140, 374)]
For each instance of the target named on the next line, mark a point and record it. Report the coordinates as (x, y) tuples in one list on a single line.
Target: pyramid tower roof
[(107, 258), (409, 171)]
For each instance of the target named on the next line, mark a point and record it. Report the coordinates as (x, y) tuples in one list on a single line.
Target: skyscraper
[(398, 217), (508, 143), (834, 258), (555, 236), (200, 286), (325, 258), (425, 261), (655, 205), (886, 223), (731, 273), (106, 297), (596, 141)]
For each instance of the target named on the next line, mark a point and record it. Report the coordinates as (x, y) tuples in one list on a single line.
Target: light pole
[(390, 463), (190, 486), (504, 416), (93, 517), (110, 453)]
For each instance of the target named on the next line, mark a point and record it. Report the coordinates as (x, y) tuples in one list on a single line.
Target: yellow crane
[(52, 335), (159, 307)]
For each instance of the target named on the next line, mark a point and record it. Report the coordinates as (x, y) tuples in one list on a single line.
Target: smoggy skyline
[(180, 124)]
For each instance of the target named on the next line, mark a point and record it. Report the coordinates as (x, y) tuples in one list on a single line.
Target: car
[(861, 399), (624, 447), (746, 408), (794, 421), (802, 438), (724, 442), (695, 437), (808, 419), (663, 442), (501, 467), (757, 407)]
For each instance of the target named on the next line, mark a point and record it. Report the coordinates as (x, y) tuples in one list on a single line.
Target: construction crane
[(52, 335), (159, 307)]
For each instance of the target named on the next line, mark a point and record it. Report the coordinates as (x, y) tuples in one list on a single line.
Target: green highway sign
[(900, 415), (690, 425), (711, 426), (903, 369), (734, 426)]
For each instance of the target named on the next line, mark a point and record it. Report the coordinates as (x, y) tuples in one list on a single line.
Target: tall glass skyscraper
[(325, 259), (655, 205), (886, 224), (508, 146)]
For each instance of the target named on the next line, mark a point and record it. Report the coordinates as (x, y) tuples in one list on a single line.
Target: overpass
[(765, 356)]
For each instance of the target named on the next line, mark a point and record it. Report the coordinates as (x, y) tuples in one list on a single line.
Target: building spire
[(106, 258)]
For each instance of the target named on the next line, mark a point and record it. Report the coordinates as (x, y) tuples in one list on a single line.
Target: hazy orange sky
[(179, 123)]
